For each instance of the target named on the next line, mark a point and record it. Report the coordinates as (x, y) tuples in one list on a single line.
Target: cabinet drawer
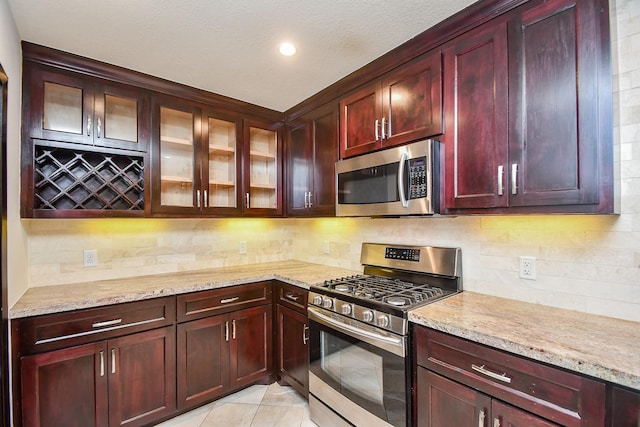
[(53, 331), (292, 296), (563, 397), (198, 305)]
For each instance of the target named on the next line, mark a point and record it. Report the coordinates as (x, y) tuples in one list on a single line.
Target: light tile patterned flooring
[(256, 406)]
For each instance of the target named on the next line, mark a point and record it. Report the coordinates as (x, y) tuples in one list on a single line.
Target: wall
[(11, 60), (586, 263)]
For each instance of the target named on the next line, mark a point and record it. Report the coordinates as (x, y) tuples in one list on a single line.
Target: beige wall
[(586, 263), (11, 60)]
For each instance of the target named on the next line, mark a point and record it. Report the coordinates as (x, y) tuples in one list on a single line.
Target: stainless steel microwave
[(392, 182)]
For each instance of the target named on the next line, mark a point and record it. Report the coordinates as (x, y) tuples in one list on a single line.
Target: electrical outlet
[(527, 267), (90, 257), (243, 247), (326, 247)]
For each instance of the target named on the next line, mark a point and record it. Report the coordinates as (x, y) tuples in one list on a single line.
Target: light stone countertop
[(602, 347), (598, 346), (59, 298)]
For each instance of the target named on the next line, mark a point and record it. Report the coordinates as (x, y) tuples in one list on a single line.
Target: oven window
[(370, 185), (372, 378)]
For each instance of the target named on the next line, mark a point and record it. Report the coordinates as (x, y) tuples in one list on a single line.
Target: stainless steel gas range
[(360, 368)]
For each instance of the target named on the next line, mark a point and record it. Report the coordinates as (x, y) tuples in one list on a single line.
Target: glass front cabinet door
[(263, 175), (75, 109), (196, 162)]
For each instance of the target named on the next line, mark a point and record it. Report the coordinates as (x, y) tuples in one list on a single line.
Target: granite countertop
[(602, 347), (59, 298), (598, 346)]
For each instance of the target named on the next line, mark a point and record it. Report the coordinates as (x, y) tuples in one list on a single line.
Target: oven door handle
[(404, 157), (392, 344)]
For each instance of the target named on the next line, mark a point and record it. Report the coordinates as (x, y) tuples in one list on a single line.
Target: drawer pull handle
[(107, 323), (485, 371), (228, 300), (292, 297)]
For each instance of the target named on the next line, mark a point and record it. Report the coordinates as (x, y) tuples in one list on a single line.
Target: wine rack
[(71, 179)]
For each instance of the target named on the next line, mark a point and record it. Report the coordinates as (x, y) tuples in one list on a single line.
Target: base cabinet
[(292, 337), (123, 381), (460, 382), (229, 349), (444, 402), (625, 407)]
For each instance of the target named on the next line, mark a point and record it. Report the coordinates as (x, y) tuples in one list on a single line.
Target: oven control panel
[(353, 311), (403, 254)]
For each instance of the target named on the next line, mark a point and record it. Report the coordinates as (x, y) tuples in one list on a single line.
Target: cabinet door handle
[(102, 363), (500, 180), (383, 129), (206, 198), (305, 335), (306, 196), (485, 371), (99, 126), (514, 178), (113, 360), (481, 417), (292, 297), (198, 198), (496, 422), (106, 323), (88, 125), (377, 133), (247, 198), (233, 329), (310, 204), (228, 300), (226, 331)]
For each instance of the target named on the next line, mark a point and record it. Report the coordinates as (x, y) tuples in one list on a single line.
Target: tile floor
[(256, 406)]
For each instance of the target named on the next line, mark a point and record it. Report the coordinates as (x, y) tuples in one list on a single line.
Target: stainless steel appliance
[(392, 182), (360, 367)]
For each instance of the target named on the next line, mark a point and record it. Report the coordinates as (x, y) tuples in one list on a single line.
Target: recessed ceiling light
[(287, 49)]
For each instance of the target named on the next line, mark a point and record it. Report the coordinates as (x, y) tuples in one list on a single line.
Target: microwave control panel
[(418, 178)]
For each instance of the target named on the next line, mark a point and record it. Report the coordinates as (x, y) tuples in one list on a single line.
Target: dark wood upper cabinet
[(476, 100), (196, 159), (262, 190), (529, 119), (69, 107), (403, 106), (312, 150)]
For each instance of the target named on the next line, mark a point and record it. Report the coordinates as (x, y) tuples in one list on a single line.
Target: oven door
[(357, 371)]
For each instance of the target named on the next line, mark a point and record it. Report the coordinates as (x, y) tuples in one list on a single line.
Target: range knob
[(383, 320), (317, 300), (327, 302), (367, 316), (346, 309)]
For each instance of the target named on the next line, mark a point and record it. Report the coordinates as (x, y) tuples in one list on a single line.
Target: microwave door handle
[(401, 171)]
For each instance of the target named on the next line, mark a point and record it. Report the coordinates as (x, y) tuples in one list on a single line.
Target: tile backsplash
[(585, 263)]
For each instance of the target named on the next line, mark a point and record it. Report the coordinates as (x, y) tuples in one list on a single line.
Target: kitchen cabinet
[(292, 337), (109, 366), (262, 178), (70, 107), (625, 407), (196, 161), (224, 341), (402, 106), (84, 144), (467, 382), (444, 402), (312, 151), (526, 109)]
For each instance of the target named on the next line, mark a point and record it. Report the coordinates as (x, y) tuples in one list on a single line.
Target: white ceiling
[(230, 46)]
